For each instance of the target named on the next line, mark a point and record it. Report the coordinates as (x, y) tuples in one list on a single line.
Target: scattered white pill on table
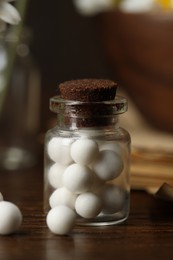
[(77, 178), (88, 205), (55, 174), (61, 220), (108, 165), (59, 150), (113, 198), (10, 218), (62, 196), (84, 151)]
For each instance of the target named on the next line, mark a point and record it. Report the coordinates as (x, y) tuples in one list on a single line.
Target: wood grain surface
[(148, 233)]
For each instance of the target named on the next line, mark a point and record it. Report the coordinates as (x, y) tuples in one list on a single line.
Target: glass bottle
[(87, 161), (20, 90)]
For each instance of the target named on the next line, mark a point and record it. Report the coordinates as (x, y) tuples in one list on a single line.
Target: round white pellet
[(55, 174), (77, 178), (62, 196), (113, 198), (110, 146), (59, 150), (10, 218), (61, 220), (1, 197), (108, 165), (84, 151), (88, 205)]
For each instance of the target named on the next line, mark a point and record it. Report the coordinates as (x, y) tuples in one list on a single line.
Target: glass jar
[(87, 161), (20, 92)]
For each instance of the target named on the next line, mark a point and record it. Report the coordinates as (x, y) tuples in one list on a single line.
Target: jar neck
[(75, 114), (72, 123)]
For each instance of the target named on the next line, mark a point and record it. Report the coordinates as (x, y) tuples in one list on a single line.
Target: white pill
[(113, 198), (108, 165), (55, 174), (62, 196), (77, 178), (110, 146), (1, 197), (59, 150), (88, 205), (10, 218), (84, 151), (61, 220)]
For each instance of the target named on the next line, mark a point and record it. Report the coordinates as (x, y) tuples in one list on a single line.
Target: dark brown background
[(65, 45)]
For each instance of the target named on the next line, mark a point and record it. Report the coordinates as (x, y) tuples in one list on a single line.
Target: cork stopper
[(88, 90), (87, 103)]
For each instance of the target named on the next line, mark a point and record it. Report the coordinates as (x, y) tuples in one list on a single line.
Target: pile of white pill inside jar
[(81, 175)]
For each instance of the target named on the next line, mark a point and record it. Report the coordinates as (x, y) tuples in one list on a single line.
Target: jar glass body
[(86, 167)]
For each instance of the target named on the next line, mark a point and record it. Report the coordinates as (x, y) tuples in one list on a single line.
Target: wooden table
[(148, 234)]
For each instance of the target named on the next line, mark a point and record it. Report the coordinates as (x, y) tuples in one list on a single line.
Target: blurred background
[(133, 48), (66, 45)]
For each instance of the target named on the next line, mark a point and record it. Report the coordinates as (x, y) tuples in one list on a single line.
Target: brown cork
[(92, 92), (88, 90)]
